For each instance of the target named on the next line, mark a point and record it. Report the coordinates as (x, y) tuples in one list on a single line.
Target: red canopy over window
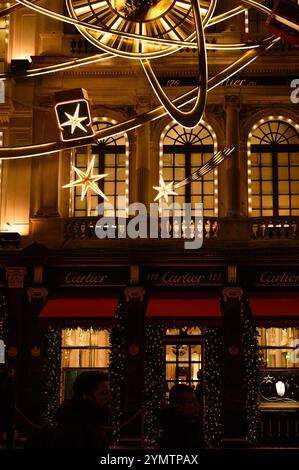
[(183, 304), (284, 304), (76, 305)]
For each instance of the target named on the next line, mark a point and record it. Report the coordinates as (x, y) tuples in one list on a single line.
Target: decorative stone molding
[(232, 293), (15, 277), (134, 293), (37, 293)]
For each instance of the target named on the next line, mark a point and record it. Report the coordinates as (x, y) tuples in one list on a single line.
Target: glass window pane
[(283, 202), (294, 173), (266, 173), (196, 159), (295, 201), (283, 173), (255, 187), (294, 159), (256, 201), (266, 159), (267, 187), (283, 187), (208, 188), (267, 202), (295, 187), (179, 159), (168, 174), (167, 159), (179, 174), (208, 202), (255, 159), (255, 174), (283, 158)]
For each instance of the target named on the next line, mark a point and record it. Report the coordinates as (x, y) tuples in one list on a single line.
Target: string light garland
[(52, 373), (117, 368), (252, 366), (3, 316), (154, 393), (213, 386)]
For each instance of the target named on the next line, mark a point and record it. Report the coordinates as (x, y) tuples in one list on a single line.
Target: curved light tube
[(82, 27), (188, 119), (132, 123)]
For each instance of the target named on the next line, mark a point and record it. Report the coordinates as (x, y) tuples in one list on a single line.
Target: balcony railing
[(269, 228), (84, 228), (76, 44), (241, 230)]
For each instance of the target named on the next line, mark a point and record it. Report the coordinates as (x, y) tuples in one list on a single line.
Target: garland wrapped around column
[(3, 316), (213, 386), (252, 365), (52, 372), (154, 393), (117, 367)]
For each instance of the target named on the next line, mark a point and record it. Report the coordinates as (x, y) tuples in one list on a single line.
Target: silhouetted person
[(180, 421), (82, 420), (7, 404)]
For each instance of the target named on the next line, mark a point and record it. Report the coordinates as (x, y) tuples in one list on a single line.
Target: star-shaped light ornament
[(75, 120), (164, 190), (268, 379), (87, 181)]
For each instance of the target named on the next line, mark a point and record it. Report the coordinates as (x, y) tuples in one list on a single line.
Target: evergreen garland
[(52, 371), (213, 386), (3, 316), (117, 367), (154, 380), (252, 365)]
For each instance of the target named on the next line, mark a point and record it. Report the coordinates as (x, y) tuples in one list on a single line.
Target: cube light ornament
[(284, 21), (73, 115)]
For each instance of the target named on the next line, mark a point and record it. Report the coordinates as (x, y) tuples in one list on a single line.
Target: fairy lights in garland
[(154, 380), (252, 365), (117, 368), (3, 315), (213, 386), (52, 372)]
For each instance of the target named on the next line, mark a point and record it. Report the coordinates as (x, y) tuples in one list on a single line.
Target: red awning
[(183, 304), (81, 306), (282, 304)]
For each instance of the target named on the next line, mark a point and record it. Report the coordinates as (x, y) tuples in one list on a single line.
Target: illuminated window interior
[(279, 347), (111, 157), (182, 152), (82, 349), (183, 357), (273, 169)]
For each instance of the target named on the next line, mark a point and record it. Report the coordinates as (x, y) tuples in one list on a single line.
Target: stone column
[(233, 200), (143, 157)]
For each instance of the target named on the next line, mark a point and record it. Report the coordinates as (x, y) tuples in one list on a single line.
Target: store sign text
[(269, 277)]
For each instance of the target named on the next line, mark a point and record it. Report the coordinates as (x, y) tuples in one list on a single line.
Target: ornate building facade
[(149, 310)]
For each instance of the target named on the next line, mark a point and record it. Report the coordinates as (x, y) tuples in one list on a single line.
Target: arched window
[(273, 168), (111, 157), (182, 152)]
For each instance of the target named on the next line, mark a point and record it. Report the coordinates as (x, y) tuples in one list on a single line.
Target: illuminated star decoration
[(87, 181), (268, 379), (75, 120), (164, 190)]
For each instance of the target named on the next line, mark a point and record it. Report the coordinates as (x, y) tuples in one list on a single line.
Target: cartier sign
[(182, 277), (284, 278), (261, 276), (96, 277)]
